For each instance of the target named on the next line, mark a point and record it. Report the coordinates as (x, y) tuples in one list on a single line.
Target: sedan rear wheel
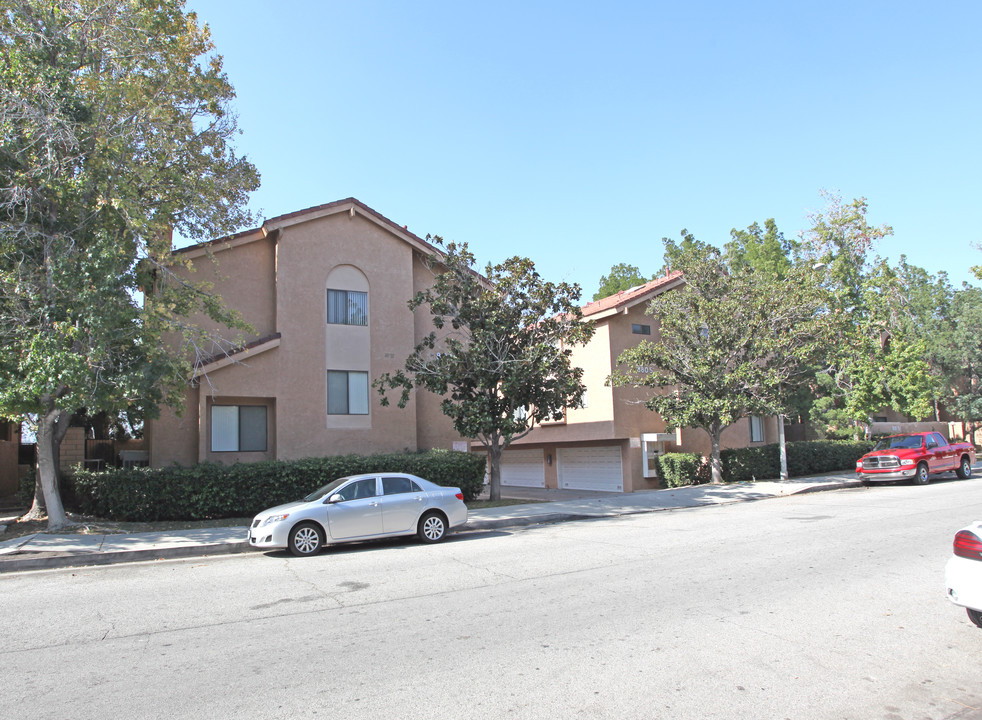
[(922, 477), (975, 616), (306, 539), (432, 527), (965, 469)]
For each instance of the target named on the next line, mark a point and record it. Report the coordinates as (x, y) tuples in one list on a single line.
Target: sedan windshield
[(326, 490), (901, 442)]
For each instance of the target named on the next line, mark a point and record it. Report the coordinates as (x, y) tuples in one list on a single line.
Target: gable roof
[(611, 305), (273, 225)]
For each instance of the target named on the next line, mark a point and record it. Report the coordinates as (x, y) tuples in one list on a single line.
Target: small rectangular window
[(347, 307), (347, 393), (756, 428), (641, 329), (238, 428)]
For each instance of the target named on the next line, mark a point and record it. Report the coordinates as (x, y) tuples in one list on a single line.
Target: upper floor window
[(641, 329), (238, 428), (347, 307)]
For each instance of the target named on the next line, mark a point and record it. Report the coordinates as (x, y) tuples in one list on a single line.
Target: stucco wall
[(9, 477)]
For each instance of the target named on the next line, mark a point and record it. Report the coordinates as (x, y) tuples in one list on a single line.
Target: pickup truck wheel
[(922, 477), (964, 470)]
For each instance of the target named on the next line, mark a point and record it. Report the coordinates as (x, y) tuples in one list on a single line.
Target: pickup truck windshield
[(901, 442)]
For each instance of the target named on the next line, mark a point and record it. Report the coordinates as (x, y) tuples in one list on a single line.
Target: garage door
[(522, 468), (591, 468)]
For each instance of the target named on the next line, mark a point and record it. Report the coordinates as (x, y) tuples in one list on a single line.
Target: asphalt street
[(825, 605)]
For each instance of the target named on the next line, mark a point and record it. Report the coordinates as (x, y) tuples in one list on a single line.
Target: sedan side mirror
[(336, 497)]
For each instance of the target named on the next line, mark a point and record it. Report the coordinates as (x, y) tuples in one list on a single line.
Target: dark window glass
[(641, 329), (396, 485), (358, 490)]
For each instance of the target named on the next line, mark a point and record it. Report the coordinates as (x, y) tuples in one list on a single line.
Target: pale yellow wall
[(594, 359)]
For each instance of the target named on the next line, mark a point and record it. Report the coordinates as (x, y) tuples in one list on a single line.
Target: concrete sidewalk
[(43, 550)]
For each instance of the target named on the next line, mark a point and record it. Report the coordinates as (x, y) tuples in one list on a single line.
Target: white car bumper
[(963, 582)]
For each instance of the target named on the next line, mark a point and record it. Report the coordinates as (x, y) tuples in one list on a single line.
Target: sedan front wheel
[(306, 539), (975, 616)]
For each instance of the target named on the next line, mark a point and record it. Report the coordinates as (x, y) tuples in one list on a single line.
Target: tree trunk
[(52, 427), (715, 460), (37, 510), (494, 472)]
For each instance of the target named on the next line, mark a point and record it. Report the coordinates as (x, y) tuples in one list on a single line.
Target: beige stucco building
[(326, 290), (608, 444)]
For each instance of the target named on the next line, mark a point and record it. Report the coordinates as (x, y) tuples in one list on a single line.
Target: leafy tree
[(862, 303), (733, 341), (966, 345), (621, 277), (766, 250), (500, 353), (912, 306), (114, 130)]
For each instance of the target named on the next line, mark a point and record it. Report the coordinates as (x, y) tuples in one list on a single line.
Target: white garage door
[(591, 468), (523, 468)]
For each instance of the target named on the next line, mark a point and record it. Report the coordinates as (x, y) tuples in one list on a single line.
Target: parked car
[(915, 457), (361, 507), (963, 573)]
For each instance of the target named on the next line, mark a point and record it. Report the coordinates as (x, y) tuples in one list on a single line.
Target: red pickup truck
[(915, 456)]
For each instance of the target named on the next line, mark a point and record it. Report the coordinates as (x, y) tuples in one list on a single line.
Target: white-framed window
[(347, 307), (347, 392), (756, 428), (238, 428)]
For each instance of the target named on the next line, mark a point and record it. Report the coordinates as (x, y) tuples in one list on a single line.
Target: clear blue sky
[(580, 134)]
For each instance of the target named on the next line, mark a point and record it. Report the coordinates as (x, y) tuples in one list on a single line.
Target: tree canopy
[(500, 352), (115, 131), (732, 341), (621, 277)]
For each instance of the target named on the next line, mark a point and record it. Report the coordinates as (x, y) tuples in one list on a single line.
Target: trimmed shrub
[(209, 491), (804, 458), (678, 469)]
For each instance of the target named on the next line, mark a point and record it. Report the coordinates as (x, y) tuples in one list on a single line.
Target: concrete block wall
[(72, 448)]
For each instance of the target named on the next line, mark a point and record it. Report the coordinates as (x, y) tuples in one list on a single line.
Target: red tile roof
[(631, 295)]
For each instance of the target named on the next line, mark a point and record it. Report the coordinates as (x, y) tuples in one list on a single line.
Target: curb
[(44, 560), (48, 561)]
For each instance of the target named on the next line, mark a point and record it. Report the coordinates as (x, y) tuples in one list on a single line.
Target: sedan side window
[(398, 485), (359, 489)]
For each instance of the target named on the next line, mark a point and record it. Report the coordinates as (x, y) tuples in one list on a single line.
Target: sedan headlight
[(274, 519), (906, 461)]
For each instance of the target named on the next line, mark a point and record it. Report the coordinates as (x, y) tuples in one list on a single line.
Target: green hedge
[(209, 491), (804, 458), (678, 469)]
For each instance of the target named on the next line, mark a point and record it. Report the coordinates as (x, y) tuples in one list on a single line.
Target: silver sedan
[(361, 507)]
